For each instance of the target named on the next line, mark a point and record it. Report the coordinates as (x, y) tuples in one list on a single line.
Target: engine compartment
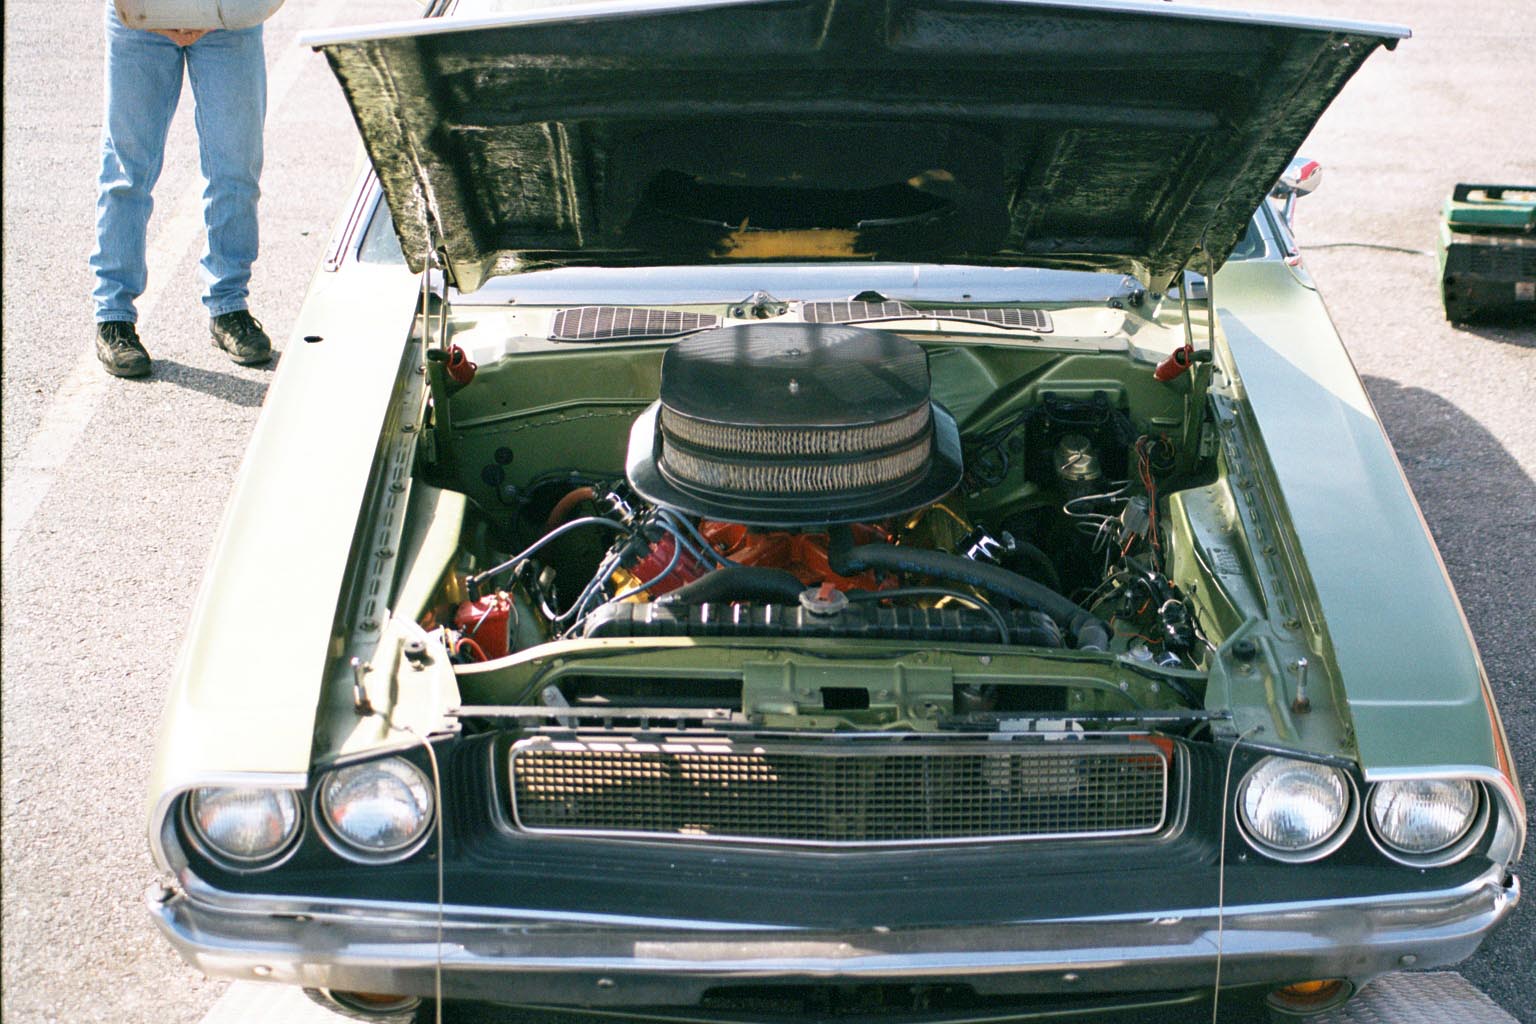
[(795, 484)]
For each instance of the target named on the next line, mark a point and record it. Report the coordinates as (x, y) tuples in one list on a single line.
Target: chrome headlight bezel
[(1455, 850), (1329, 843), (349, 848), (237, 863)]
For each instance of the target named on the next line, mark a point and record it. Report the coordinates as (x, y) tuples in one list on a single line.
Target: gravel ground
[(98, 586)]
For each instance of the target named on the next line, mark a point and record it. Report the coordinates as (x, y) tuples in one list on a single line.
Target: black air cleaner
[(794, 425)]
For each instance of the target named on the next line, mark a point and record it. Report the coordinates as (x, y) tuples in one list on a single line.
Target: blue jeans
[(143, 84)]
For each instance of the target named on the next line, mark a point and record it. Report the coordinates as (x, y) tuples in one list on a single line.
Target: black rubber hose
[(738, 583), (1089, 631), (1037, 563), (969, 599)]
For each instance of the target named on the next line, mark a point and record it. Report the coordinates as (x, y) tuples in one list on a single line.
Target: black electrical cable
[(1380, 246), (706, 548), (672, 563), (473, 582)]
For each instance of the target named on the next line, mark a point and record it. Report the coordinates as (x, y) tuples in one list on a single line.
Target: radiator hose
[(738, 583), (1089, 632)]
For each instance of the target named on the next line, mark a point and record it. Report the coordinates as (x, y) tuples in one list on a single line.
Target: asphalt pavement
[(113, 489)]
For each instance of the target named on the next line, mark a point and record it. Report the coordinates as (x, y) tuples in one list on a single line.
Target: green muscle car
[(784, 510)]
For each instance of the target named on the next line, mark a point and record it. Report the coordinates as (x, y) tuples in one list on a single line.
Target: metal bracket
[(360, 702), (758, 306), (1210, 296)]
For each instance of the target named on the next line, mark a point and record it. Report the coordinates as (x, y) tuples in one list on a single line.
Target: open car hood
[(1098, 135)]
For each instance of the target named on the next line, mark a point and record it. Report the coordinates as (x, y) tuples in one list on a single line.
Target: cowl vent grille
[(1036, 321), (613, 323)]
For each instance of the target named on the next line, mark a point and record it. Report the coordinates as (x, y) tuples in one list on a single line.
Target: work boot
[(119, 349), (240, 335)]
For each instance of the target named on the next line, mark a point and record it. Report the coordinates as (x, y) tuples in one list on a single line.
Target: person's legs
[(143, 83), (229, 83)]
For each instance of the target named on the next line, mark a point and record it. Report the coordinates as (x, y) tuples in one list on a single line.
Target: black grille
[(896, 793), (1035, 320), (608, 323), (1504, 260)]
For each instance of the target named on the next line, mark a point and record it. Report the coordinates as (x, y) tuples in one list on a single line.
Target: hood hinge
[(436, 259)]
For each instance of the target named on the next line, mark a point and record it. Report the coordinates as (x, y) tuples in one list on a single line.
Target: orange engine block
[(804, 554)]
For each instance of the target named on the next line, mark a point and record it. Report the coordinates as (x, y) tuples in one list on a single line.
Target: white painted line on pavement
[(74, 404), (80, 392), (256, 1002)]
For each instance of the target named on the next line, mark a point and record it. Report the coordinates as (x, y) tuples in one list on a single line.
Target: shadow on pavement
[(230, 387), (1481, 507), (1523, 335)]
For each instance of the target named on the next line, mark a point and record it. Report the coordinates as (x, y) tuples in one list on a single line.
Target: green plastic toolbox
[(1488, 253)]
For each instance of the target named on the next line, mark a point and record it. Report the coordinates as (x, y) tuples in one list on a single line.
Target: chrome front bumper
[(548, 958)]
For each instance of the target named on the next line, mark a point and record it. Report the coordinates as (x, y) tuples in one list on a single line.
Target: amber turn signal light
[(1310, 996)]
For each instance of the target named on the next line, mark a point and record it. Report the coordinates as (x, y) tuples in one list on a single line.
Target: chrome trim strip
[(365, 196), (321, 945), (600, 8), (906, 749), (462, 915), (721, 285), (193, 888), (1493, 779)]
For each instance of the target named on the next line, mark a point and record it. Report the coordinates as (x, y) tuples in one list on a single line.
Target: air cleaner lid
[(794, 424), (802, 375)]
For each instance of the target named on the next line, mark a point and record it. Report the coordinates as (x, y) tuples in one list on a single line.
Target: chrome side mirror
[(1301, 177)]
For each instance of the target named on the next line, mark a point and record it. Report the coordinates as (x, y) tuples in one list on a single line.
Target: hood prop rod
[(1182, 359), (457, 366), (434, 259)]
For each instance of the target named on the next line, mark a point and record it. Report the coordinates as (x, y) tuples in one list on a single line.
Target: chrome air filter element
[(794, 425)]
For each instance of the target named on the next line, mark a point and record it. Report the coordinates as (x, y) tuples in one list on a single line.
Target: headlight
[(1291, 809), (381, 809), (1421, 817), (244, 825)]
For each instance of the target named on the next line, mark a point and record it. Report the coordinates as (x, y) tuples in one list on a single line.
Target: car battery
[(1488, 253)]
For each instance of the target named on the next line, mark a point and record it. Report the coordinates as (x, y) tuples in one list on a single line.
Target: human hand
[(181, 36)]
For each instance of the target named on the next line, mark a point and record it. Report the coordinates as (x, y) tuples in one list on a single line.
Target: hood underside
[(1114, 136)]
